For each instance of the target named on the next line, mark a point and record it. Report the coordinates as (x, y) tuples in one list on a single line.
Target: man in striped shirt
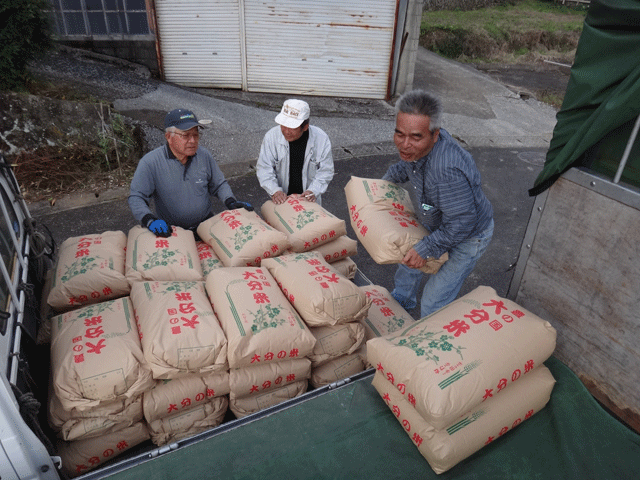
[(452, 205)]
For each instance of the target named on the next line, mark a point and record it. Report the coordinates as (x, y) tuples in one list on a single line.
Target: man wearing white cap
[(180, 178), (295, 157)]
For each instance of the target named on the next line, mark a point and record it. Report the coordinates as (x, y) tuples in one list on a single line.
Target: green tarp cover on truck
[(350, 433), (602, 100)]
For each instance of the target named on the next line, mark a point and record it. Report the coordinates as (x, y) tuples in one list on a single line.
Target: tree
[(25, 34)]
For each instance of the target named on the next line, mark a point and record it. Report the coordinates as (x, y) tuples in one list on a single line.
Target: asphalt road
[(507, 174)]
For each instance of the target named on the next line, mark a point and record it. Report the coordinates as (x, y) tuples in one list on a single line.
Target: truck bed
[(347, 431)]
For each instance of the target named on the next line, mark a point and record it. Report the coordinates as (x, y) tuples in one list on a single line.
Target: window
[(100, 17)]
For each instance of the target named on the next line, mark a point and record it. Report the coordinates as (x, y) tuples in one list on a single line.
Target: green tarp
[(350, 433), (602, 99)]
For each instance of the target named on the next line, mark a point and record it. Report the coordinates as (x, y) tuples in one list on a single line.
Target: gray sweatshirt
[(181, 193)]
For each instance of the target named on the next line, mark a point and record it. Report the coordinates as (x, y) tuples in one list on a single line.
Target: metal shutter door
[(200, 42), (319, 47)]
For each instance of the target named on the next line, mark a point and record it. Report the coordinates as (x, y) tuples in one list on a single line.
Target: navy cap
[(182, 119)]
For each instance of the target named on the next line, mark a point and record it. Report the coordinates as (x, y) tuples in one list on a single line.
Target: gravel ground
[(108, 79), (95, 75)]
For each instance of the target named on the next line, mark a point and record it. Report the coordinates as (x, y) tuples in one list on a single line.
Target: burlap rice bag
[(307, 224), (346, 267), (151, 258), (336, 369), (90, 269), (257, 379), (335, 341), (78, 425), (209, 261), (96, 355), (189, 422), (341, 247), (445, 448), (81, 456), (179, 332), (372, 191), (386, 227), (258, 321), (451, 361), (175, 395), (241, 238), (320, 294), (386, 315), (243, 406)]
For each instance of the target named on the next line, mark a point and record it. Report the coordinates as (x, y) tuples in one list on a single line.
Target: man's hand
[(309, 196), (233, 204), (160, 228), (279, 197), (413, 260)]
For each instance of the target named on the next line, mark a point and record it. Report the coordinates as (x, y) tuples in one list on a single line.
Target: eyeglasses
[(187, 136)]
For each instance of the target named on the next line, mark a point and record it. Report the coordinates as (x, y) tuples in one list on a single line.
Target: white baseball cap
[(293, 113)]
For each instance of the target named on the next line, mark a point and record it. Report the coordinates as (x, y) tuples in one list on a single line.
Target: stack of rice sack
[(385, 222), (385, 316), (98, 378), (268, 343), (182, 341), (164, 331), (310, 227), (465, 375), (331, 305), (98, 371)]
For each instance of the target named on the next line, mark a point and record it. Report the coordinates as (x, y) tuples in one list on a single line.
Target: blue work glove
[(232, 204), (160, 228)]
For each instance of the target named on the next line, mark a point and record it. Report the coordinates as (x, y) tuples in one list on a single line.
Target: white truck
[(26, 256)]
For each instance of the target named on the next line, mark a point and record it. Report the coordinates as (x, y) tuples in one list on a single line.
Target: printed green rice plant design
[(243, 235), (161, 257), (306, 217), (267, 317), (79, 267), (210, 264), (394, 324), (95, 310), (435, 342), (301, 257), (394, 192), (178, 287)]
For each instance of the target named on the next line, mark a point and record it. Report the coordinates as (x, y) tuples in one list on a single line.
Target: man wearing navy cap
[(180, 178)]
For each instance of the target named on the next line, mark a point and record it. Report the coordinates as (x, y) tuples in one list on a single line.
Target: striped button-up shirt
[(450, 199)]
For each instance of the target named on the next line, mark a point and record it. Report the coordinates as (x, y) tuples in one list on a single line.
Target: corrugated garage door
[(319, 47), (308, 47), (200, 42)]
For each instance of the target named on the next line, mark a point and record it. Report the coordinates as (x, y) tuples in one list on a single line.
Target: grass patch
[(508, 31), (551, 98)]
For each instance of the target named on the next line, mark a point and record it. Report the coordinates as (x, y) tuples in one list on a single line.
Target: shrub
[(24, 34)]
